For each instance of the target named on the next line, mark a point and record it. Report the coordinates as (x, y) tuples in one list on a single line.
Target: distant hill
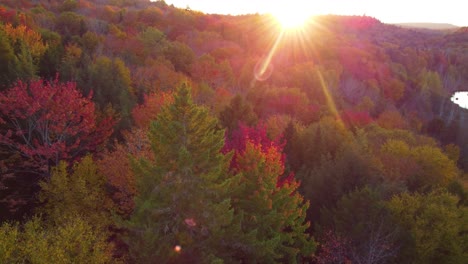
[(436, 26)]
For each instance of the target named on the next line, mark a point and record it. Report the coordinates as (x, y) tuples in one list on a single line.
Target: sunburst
[(293, 15)]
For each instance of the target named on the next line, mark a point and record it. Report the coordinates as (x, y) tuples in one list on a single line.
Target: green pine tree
[(238, 111), (182, 210), (273, 212)]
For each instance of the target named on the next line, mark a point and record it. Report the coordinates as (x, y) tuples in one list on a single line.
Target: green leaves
[(420, 168), (81, 192), (361, 226), (435, 225), (72, 241), (183, 195), (274, 212)]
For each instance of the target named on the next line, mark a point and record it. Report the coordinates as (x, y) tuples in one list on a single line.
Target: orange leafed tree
[(29, 37), (392, 120), (143, 114), (157, 75), (116, 165)]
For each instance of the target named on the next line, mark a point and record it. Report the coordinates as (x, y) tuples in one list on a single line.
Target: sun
[(291, 16), (289, 20)]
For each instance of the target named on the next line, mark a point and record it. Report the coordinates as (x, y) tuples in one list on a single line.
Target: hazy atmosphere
[(388, 11), (134, 131)]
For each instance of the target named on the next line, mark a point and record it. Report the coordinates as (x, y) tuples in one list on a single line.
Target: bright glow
[(289, 20), (461, 99), (190, 222), (293, 15), (177, 248), (387, 11)]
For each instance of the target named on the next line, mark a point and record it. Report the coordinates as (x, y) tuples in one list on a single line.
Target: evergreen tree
[(293, 158), (111, 84), (238, 111), (271, 208), (182, 209)]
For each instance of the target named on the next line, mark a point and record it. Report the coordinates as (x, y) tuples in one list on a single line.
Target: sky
[(387, 11)]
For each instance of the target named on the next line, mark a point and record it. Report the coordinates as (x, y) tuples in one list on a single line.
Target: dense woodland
[(136, 132)]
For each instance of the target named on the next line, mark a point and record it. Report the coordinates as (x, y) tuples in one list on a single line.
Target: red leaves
[(7, 16), (334, 249), (271, 151), (50, 121), (256, 135)]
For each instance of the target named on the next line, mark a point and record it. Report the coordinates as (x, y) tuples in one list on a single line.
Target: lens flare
[(264, 67), (190, 222), (177, 248)]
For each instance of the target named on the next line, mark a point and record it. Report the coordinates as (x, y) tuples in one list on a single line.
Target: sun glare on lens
[(291, 16)]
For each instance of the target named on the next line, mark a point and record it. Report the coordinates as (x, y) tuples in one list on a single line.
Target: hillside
[(434, 26), (132, 131)]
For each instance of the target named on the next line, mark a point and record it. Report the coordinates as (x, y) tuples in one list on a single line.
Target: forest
[(133, 131)]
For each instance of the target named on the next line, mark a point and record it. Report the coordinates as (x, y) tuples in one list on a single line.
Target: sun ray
[(328, 97), (261, 71)]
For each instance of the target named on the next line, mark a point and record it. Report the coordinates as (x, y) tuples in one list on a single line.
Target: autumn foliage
[(258, 138), (271, 204), (145, 113), (348, 121), (46, 122), (256, 135), (116, 166), (29, 37)]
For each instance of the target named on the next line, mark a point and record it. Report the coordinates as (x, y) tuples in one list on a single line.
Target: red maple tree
[(44, 122)]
